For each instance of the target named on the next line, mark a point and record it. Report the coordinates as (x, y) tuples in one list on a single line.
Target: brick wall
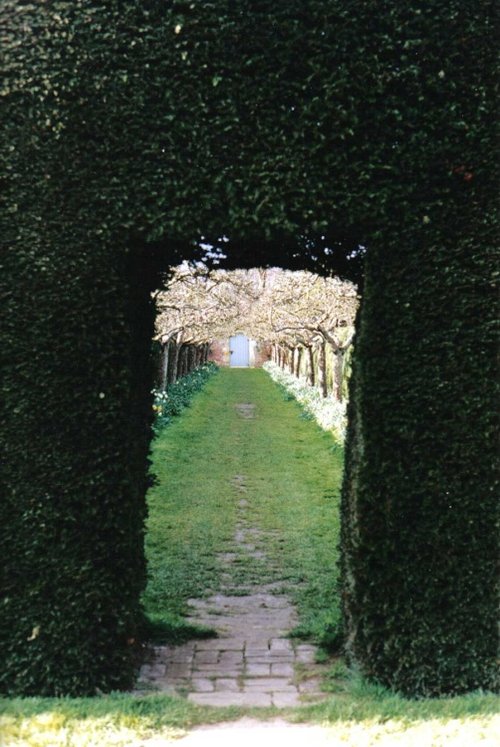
[(219, 353)]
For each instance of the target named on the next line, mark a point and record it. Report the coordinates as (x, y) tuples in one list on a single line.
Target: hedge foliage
[(75, 384), (420, 500), (132, 128)]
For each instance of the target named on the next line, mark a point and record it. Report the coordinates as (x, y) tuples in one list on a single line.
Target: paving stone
[(306, 647), (225, 684), (178, 669), (180, 655), (258, 670), (186, 649), (215, 670), (211, 644), (281, 644), (229, 699), (268, 662), (231, 657), (286, 700), (282, 670), (179, 683), (202, 685), (252, 650), (161, 654), (231, 644), (205, 657), (228, 666), (268, 684)]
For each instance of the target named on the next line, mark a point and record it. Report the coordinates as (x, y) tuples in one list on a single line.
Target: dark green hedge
[(420, 513), (132, 128), (74, 473), (420, 500)]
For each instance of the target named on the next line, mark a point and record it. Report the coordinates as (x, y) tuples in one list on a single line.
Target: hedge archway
[(133, 131)]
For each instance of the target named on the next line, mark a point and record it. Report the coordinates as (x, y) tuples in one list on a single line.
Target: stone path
[(224, 671), (251, 662)]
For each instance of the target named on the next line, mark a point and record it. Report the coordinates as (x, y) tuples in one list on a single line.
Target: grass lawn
[(287, 471), (286, 468), (359, 716)]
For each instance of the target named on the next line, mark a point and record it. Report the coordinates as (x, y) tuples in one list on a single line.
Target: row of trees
[(178, 358), (307, 320)]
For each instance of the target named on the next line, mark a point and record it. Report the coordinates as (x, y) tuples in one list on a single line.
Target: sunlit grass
[(117, 719), (361, 716), (364, 714)]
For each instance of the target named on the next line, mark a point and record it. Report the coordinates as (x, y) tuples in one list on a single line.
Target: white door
[(239, 348)]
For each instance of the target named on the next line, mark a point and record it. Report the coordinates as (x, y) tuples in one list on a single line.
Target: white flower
[(328, 412)]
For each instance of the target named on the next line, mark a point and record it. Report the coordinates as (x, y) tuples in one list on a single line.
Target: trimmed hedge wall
[(420, 511), (420, 500), (131, 129), (74, 478)]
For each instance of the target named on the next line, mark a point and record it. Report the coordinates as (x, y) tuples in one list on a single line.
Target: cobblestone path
[(250, 663)]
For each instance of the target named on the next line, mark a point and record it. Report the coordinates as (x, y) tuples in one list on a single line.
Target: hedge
[(135, 130), (420, 502)]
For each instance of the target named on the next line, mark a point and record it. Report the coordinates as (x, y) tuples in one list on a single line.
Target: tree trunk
[(312, 372), (298, 362), (182, 362), (174, 362), (190, 359), (322, 369), (338, 369), (164, 365)]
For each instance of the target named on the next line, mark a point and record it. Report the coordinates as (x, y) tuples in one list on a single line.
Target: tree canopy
[(268, 305)]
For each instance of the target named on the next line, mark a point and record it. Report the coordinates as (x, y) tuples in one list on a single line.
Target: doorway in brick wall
[(239, 349)]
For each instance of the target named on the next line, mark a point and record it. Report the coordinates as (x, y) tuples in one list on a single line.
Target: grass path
[(243, 453)]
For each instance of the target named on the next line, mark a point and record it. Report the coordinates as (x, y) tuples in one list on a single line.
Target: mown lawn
[(287, 471)]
